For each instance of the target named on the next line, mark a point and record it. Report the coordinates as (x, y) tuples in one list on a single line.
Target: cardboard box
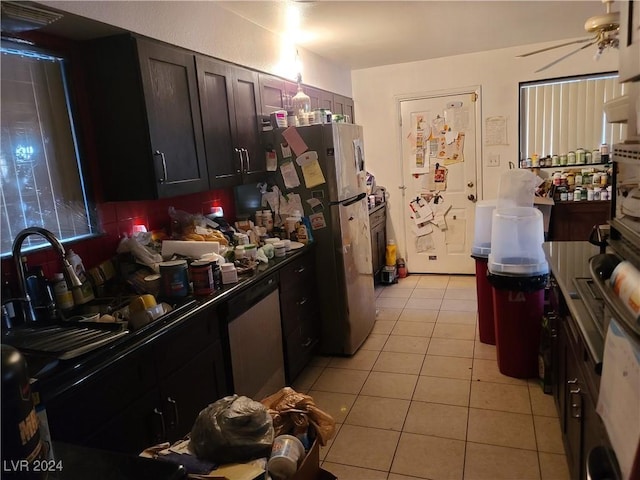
[(310, 469), (544, 204)]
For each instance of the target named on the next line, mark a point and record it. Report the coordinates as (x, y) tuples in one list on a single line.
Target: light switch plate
[(494, 160)]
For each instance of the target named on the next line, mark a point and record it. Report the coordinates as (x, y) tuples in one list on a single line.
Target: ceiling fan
[(605, 28)]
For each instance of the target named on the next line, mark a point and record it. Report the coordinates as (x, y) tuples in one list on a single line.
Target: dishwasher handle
[(252, 295)]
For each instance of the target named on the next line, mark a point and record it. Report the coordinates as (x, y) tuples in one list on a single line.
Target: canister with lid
[(588, 157), (589, 194), (571, 158), (580, 156), (563, 160), (571, 178), (202, 277), (174, 278), (555, 160)]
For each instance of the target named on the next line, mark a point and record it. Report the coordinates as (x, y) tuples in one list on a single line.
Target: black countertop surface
[(568, 261), (55, 376)]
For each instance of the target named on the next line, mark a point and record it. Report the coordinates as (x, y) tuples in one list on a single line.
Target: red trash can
[(518, 306), (486, 324)]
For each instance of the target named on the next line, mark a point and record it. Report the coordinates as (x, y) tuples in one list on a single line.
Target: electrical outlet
[(494, 160)]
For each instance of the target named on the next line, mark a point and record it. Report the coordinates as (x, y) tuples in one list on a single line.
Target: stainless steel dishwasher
[(255, 340)]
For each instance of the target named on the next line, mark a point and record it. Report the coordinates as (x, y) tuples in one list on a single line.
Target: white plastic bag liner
[(517, 188)]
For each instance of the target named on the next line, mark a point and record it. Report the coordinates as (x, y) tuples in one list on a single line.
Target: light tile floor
[(423, 398)]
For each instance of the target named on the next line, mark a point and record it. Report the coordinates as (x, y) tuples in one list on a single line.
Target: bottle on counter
[(64, 297), (83, 293)]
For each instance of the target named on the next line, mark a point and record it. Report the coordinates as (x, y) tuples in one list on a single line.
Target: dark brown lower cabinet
[(151, 395), (300, 312), (378, 226), (573, 221), (576, 393)]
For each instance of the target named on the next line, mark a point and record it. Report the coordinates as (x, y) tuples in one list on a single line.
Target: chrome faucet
[(67, 269)]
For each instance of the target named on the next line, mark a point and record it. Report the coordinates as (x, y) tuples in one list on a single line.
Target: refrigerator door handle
[(350, 201)]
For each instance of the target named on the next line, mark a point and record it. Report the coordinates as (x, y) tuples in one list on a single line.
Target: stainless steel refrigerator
[(339, 219)]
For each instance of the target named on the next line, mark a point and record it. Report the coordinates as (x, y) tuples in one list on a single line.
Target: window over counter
[(562, 115), (41, 180)]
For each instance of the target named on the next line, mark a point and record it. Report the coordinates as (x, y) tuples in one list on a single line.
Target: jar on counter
[(571, 158), (604, 194), (555, 160), (563, 160), (584, 194), (580, 156), (569, 196), (590, 194), (595, 156), (201, 274), (588, 157), (595, 178)]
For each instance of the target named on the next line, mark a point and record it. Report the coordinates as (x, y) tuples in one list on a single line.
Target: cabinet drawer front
[(296, 309), (377, 217), (298, 273), (299, 347)]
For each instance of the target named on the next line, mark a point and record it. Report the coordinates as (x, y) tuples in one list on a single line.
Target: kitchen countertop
[(56, 376), (567, 261)]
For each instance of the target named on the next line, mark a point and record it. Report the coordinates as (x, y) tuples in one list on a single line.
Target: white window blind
[(41, 180), (559, 116)]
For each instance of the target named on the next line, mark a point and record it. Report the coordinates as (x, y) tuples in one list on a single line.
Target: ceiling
[(372, 33)]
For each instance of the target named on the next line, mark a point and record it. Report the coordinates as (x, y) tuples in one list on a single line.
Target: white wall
[(497, 72), (210, 29)]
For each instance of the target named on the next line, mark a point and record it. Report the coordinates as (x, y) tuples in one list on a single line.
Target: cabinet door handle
[(237, 150), (307, 343), (299, 269), (572, 382), (247, 159), (576, 406), (174, 405), (164, 166), (160, 417), (303, 301)]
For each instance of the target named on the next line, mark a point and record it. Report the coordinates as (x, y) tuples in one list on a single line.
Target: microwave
[(625, 202)]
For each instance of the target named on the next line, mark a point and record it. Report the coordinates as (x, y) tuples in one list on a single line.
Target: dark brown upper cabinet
[(344, 106), (274, 93), (144, 97), (230, 102)]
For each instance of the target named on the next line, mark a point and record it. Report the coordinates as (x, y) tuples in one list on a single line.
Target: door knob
[(470, 184), (471, 197)]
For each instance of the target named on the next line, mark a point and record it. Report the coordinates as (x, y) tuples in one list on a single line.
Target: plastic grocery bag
[(293, 411), (232, 429)]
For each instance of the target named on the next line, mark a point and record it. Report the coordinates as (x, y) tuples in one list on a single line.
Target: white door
[(440, 156)]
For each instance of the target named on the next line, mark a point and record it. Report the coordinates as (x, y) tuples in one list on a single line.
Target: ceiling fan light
[(605, 23)]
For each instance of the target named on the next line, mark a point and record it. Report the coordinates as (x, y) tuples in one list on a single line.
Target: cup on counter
[(287, 245), (279, 249)]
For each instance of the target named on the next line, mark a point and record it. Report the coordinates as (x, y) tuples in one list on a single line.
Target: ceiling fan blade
[(565, 56), (582, 40)]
